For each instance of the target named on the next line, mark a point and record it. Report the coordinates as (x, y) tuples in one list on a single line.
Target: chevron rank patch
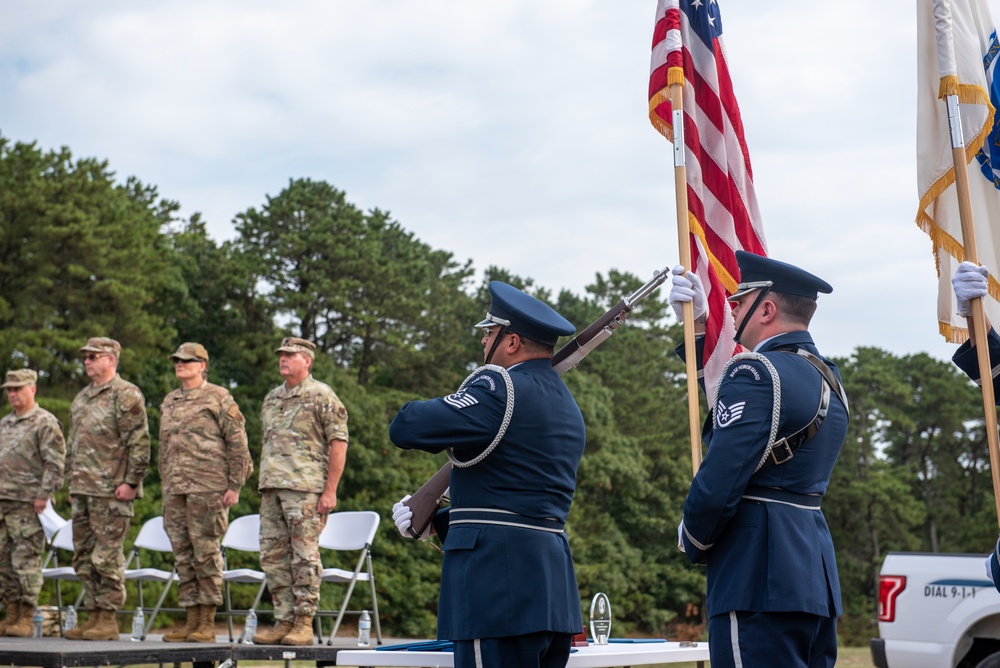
[(727, 415), (460, 400)]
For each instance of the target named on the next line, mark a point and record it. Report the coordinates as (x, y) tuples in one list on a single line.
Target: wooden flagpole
[(684, 246), (978, 318)]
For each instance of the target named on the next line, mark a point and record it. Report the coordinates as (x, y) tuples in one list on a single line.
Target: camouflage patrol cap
[(20, 378), (190, 351), (291, 344), (100, 344)]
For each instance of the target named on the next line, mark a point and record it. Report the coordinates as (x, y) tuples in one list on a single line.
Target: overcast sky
[(512, 133)]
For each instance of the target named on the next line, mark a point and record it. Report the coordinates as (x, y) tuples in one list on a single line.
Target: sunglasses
[(90, 357)]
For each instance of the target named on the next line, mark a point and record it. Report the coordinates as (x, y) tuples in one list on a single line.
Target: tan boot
[(13, 609), (206, 629), (180, 635), (274, 636), (106, 627), (301, 633), (77, 633), (24, 625)]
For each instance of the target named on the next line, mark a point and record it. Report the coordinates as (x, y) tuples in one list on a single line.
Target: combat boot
[(24, 625), (301, 633), (13, 609), (106, 627), (274, 636), (206, 629), (180, 635), (77, 633)]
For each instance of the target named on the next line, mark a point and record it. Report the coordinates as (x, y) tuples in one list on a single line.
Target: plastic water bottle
[(138, 624), (365, 630), (250, 627), (69, 623), (37, 623)]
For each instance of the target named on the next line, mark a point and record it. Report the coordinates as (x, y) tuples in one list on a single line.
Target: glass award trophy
[(600, 619)]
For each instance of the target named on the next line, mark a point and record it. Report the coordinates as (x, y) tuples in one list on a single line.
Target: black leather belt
[(772, 495), (502, 518)]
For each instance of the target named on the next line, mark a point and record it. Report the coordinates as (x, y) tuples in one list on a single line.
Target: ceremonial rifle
[(425, 502)]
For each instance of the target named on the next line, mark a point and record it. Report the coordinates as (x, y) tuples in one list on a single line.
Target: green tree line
[(83, 253)]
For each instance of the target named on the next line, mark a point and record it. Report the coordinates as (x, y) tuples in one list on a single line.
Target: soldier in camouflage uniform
[(107, 460), (32, 454), (305, 437), (203, 463)]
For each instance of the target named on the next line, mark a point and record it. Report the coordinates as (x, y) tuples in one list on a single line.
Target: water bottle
[(138, 622), (37, 624), (70, 621), (250, 627), (365, 630)]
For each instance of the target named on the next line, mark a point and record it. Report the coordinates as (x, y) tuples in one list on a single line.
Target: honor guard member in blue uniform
[(509, 597), (752, 515), (969, 282)]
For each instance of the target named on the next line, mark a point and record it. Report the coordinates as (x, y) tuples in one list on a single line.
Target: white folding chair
[(350, 531), (243, 535), (153, 537)]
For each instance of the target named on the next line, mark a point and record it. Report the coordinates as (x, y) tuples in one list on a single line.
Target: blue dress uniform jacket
[(498, 580), (773, 555)]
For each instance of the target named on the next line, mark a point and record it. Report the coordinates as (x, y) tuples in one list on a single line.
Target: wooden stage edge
[(58, 652)]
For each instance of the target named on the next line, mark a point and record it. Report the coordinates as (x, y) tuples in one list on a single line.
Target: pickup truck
[(936, 611)]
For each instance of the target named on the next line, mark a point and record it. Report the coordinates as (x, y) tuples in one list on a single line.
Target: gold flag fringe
[(967, 94)]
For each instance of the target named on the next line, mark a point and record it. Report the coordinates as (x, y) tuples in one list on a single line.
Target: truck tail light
[(889, 587)]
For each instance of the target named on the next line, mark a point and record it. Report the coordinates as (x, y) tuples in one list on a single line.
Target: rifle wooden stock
[(426, 501)]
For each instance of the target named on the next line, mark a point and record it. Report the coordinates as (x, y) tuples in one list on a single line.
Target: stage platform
[(52, 652)]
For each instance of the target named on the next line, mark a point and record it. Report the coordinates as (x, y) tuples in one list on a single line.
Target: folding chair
[(153, 537), (62, 540), (243, 535), (345, 532)]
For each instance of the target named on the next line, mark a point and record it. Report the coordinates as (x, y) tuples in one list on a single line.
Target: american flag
[(722, 206)]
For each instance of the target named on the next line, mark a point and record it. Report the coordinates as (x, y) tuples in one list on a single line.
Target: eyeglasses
[(178, 360), (90, 357)]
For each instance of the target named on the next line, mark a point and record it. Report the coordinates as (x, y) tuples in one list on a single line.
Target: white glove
[(969, 282), (680, 537), (403, 516), (687, 287), (989, 568)]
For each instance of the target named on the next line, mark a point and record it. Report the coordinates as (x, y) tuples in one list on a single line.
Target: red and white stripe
[(722, 206)]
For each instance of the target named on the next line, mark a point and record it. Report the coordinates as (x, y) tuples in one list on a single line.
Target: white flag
[(957, 49)]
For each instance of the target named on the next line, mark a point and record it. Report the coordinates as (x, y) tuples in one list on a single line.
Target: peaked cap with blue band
[(523, 314), (757, 271)]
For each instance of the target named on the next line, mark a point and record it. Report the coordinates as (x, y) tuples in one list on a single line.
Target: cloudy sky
[(513, 133)]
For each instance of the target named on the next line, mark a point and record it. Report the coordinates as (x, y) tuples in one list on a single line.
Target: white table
[(593, 656)]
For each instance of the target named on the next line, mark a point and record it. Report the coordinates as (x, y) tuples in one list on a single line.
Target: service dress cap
[(20, 378), (524, 315), (757, 271), (291, 344), (102, 344), (190, 351)]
